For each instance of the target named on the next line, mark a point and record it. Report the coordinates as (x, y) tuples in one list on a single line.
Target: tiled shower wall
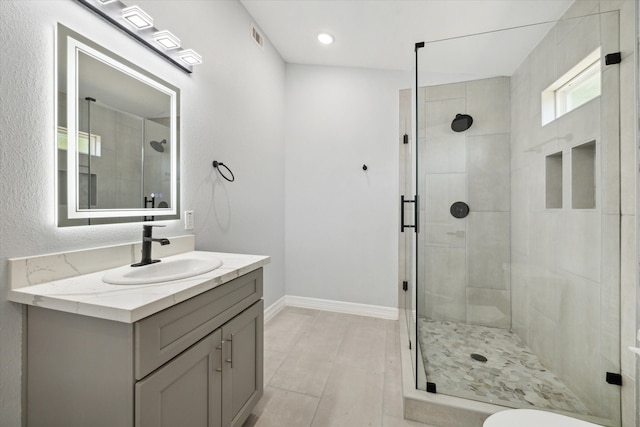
[(465, 262), (566, 258)]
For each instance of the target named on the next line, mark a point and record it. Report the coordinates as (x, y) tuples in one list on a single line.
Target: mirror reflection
[(117, 138)]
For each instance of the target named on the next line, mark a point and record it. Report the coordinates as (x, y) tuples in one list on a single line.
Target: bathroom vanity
[(190, 353)]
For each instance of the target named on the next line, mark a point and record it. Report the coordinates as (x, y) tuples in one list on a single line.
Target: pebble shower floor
[(511, 376)]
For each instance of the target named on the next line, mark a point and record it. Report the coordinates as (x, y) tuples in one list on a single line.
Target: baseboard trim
[(387, 313), (274, 308)]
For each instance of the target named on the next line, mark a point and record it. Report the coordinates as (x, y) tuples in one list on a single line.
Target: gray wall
[(232, 111), (341, 230), (465, 261), (566, 260)]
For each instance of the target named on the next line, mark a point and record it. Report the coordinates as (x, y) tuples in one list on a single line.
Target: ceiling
[(381, 34)]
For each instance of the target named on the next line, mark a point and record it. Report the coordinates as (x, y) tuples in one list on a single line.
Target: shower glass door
[(518, 244)]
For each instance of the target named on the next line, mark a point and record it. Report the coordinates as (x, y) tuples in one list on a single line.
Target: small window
[(578, 86), (579, 90), (83, 142)]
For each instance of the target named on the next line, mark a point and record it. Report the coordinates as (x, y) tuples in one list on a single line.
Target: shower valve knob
[(459, 209)]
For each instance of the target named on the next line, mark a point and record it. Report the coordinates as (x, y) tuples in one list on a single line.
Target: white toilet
[(532, 418)]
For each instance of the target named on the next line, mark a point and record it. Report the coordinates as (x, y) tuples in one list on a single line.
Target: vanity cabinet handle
[(221, 348), (230, 360)]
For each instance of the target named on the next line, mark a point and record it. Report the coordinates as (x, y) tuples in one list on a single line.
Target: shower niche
[(583, 176), (553, 181)]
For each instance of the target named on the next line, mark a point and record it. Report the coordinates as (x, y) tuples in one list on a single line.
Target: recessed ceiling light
[(190, 56), (166, 39), (325, 38), (137, 17)]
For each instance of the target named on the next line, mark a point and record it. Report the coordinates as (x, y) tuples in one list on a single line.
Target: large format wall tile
[(542, 72), (543, 339), (579, 241), (489, 307), (579, 338), (520, 307), (488, 160), (446, 283), (446, 154), (610, 288), (488, 251), (442, 228), (582, 38), (610, 144), (439, 116), (628, 291), (580, 125), (488, 104), (520, 215), (448, 91), (477, 175)]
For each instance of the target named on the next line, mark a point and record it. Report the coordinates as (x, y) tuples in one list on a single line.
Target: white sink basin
[(172, 268)]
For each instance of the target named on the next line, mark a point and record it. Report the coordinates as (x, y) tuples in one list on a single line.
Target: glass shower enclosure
[(513, 268)]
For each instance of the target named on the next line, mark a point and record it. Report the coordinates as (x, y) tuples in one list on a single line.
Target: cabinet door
[(185, 391), (242, 374)]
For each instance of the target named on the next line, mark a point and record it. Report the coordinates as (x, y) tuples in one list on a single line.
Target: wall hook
[(364, 167)]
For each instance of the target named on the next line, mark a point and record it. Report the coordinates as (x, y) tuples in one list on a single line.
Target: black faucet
[(146, 245)]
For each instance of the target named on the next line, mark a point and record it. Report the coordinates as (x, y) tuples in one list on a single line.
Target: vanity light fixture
[(139, 25), (190, 57), (325, 38), (166, 39), (137, 17)]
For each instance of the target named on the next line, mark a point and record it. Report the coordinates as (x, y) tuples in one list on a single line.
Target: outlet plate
[(188, 220)]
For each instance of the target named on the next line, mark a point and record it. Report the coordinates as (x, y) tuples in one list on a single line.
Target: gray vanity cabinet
[(215, 383), (197, 363), (242, 375), (186, 391)]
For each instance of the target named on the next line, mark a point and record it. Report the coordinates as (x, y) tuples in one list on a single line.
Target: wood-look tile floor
[(330, 369)]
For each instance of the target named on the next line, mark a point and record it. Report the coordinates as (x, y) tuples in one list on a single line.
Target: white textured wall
[(342, 222), (232, 110)]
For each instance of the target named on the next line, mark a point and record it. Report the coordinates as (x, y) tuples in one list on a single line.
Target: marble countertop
[(88, 295)]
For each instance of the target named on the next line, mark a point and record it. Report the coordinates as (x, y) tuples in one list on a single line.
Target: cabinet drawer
[(164, 335)]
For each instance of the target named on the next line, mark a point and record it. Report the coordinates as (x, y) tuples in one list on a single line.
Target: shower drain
[(478, 357)]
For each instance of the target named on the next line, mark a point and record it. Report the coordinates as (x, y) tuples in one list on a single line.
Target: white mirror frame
[(74, 47)]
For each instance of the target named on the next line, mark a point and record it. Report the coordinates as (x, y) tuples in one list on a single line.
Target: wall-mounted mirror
[(117, 137)]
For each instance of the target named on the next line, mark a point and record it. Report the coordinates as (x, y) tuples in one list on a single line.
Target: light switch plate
[(188, 220)]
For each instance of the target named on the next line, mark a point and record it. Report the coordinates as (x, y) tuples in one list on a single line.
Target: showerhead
[(461, 123), (158, 145)]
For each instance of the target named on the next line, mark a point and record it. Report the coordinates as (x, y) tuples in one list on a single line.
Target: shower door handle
[(415, 213)]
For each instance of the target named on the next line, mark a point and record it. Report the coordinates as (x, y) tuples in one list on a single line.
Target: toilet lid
[(532, 418)]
